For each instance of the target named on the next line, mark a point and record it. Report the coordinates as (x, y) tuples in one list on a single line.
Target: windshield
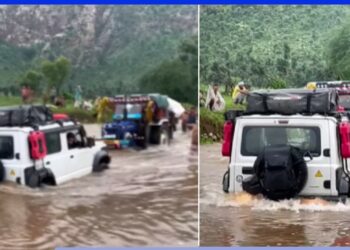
[(119, 111), (256, 138), (344, 100), (134, 111), (134, 108)]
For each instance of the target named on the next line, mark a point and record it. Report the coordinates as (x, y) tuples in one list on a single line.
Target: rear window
[(255, 138), (6, 147), (53, 142)]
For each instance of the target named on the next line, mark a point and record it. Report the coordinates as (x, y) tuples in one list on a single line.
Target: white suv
[(322, 141), (50, 153)]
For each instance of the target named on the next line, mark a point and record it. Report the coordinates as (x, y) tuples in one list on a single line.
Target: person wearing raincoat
[(214, 101), (311, 86)]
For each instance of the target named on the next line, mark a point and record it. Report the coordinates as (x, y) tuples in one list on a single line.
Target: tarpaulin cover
[(25, 115), (292, 101), (160, 100), (176, 107)]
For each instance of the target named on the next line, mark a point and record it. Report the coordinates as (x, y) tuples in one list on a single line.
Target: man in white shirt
[(214, 101)]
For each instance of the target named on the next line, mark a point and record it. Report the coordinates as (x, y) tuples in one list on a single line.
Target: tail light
[(344, 131), (228, 137)]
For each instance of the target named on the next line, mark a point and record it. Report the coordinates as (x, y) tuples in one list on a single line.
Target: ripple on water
[(145, 198)]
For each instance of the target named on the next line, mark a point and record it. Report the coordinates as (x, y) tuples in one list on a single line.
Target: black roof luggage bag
[(25, 115), (292, 101)]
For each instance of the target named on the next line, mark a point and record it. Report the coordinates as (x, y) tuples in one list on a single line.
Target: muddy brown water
[(239, 220), (145, 198)]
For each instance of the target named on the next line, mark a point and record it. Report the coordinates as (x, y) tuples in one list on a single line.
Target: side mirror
[(90, 142)]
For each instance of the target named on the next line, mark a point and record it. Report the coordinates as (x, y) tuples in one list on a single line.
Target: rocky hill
[(108, 45)]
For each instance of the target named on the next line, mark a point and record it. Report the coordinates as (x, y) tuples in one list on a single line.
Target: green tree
[(33, 79), (339, 53), (277, 83), (177, 78), (56, 72)]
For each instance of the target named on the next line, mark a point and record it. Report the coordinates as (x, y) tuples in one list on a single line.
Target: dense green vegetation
[(178, 77), (265, 44), (270, 47), (211, 123)]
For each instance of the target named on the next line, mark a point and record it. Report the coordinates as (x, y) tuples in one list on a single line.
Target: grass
[(81, 115), (211, 123), (10, 101)]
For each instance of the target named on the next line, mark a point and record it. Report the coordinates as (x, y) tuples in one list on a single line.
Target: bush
[(80, 115)]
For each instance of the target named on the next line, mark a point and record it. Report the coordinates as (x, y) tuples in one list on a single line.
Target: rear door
[(305, 134), (10, 154)]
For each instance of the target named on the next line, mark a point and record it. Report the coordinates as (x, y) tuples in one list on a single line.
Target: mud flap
[(226, 181), (342, 183)]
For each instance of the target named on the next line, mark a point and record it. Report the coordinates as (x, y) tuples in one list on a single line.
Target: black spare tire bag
[(252, 185), (281, 172)]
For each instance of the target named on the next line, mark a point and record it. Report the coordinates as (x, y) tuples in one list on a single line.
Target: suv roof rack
[(26, 116), (293, 101)]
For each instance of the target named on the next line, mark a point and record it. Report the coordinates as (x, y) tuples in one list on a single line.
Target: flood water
[(242, 220), (145, 198)]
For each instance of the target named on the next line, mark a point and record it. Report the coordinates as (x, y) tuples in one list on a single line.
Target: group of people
[(27, 95), (215, 101), (189, 119)]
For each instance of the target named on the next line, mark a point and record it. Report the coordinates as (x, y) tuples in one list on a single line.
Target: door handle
[(47, 163), (72, 156)]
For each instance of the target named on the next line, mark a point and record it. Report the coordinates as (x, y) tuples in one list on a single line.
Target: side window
[(53, 142), (6, 147), (74, 140)]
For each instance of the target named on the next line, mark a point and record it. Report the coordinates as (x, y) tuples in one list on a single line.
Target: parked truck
[(139, 120)]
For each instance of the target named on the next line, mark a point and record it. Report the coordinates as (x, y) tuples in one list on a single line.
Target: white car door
[(58, 158), (80, 156)]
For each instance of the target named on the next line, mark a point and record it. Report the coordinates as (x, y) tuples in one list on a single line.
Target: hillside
[(110, 47), (260, 44)]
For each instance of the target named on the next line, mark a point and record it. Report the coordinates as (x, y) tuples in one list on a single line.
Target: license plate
[(109, 136)]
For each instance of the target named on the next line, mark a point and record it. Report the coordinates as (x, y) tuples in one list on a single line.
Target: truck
[(139, 120), (288, 143)]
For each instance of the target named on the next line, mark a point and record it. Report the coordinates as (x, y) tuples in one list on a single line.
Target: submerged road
[(241, 220), (146, 198)]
